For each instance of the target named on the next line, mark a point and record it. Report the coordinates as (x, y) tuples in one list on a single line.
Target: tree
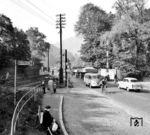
[(132, 8), (130, 36), (21, 49), (92, 23), (37, 43), (6, 37)]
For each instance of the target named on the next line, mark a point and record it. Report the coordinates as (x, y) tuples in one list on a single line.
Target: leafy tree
[(37, 43), (6, 36), (130, 36), (21, 49), (92, 23)]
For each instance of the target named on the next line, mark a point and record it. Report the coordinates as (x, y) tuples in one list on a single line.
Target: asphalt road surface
[(88, 111), (135, 103)]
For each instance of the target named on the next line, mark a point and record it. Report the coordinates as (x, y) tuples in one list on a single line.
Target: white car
[(93, 80), (129, 83)]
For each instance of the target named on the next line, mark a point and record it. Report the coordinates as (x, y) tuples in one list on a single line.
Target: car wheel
[(119, 87), (90, 86), (128, 89)]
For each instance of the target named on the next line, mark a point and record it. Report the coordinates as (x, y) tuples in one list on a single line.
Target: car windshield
[(96, 77), (134, 80)]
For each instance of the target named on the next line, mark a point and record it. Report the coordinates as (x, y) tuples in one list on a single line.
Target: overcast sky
[(42, 14)]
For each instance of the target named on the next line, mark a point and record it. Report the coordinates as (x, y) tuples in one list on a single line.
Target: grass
[(27, 117)]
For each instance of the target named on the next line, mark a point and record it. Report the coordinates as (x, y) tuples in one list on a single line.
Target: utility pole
[(15, 81), (107, 63), (48, 58), (107, 56), (60, 23), (66, 77)]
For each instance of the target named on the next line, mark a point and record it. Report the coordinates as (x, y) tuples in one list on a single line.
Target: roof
[(92, 74), (90, 70)]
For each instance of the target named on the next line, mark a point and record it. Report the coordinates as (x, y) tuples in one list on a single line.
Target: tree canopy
[(20, 45), (125, 34), (92, 23), (37, 42)]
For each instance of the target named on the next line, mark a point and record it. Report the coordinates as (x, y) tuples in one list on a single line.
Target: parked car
[(129, 83), (93, 80)]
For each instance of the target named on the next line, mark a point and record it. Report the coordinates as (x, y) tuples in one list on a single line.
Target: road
[(136, 103), (88, 111)]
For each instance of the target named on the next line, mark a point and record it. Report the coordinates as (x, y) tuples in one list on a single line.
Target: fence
[(21, 103)]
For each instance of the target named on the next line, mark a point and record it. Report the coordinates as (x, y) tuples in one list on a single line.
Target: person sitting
[(47, 119)]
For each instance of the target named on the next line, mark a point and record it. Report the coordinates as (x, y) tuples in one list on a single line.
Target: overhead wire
[(37, 8), (29, 2), (29, 6), (30, 10)]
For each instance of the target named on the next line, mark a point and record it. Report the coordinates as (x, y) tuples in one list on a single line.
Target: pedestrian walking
[(115, 78), (51, 85), (55, 85), (43, 87), (103, 84), (46, 79), (47, 119)]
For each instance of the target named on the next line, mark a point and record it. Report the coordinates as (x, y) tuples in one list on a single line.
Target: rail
[(21, 103)]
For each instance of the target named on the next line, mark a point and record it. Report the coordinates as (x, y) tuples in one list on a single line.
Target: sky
[(42, 14)]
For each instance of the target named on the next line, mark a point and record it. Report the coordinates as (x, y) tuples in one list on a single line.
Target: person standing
[(43, 87), (115, 78), (103, 84), (55, 85), (51, 85)]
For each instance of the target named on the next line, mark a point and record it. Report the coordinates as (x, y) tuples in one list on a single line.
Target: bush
[(26, 117), (137, 75)]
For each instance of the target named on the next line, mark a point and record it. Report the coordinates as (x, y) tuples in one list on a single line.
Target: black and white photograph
[(74, 67)]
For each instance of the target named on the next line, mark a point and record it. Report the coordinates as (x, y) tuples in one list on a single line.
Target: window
[(94, 77), (134, 80)]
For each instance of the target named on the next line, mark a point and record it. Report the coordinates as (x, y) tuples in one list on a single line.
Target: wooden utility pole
[(60, 23), (66, 67), (107, 62), (15, 78), (48, 58)]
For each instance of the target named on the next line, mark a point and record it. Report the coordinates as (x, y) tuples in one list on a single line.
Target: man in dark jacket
[(47, 119)]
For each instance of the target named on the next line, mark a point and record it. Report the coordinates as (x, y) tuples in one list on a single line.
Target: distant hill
[(72, 44), (54, 58)]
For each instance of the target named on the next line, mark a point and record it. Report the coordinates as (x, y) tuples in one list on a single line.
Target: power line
[(36, 7), (33, 5), (65, 32), (29, 10), (44, 16)]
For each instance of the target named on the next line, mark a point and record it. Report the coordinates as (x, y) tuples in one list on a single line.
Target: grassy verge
[(28, 116)]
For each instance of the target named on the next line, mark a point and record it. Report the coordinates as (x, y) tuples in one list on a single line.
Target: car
[(129, 83), (93, 80)]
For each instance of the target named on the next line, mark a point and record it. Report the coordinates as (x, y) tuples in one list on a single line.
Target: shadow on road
[(140, 91), (83, 95), (113, 92)]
